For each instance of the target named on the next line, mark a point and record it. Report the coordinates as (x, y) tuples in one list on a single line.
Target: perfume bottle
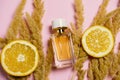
[(62, 44)]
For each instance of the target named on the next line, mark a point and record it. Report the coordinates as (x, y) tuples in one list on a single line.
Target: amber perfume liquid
[(63, 48)]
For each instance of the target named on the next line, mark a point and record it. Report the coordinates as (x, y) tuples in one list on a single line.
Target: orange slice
[(97, 41), (19, 58)]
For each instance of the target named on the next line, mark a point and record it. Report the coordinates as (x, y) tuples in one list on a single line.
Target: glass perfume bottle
[(62, 44)]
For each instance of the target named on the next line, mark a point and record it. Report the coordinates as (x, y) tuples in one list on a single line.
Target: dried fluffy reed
[(80, 55), (13, 28), (99, 68)]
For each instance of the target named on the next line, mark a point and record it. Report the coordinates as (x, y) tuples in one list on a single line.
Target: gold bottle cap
[(59, 23)]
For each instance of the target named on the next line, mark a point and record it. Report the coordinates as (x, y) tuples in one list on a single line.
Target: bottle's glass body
[(62, 47)]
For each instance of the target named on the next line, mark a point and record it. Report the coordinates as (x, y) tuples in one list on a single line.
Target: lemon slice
[(19, 58), (97, 41)]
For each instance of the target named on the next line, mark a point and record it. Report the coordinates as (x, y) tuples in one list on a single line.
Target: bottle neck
[(60, 30)]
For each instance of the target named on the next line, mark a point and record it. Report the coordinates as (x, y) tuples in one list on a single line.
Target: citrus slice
[(19, 58), (97, 41)]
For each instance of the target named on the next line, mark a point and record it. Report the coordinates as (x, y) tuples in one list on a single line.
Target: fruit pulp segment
[(98, 41), (18, 58)]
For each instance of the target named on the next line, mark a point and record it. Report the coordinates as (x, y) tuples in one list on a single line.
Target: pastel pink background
[(53, 9)]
